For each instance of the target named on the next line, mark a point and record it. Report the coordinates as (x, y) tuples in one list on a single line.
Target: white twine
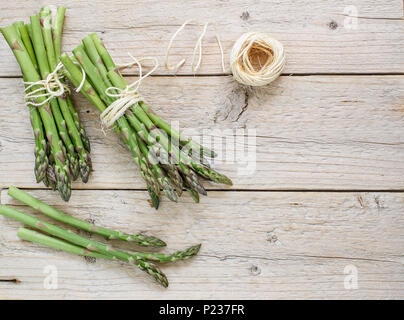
[(245, 63), (253, 45), (83, 79), (198, 46), (52, 85), (126, 97)]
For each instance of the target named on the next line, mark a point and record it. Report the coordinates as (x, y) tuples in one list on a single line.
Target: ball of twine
[(257, 59)]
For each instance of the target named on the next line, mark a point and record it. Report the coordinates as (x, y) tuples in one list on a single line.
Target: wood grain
[(290, 228), (255, 245), (317, 132), (316, 35)]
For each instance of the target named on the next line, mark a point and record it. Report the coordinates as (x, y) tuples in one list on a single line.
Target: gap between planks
[(325, 74), (229, 190)]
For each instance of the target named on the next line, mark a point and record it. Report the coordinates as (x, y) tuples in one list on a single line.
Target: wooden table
[(323, 210)]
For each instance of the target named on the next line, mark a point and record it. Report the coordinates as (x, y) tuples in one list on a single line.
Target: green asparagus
[(138, 239)]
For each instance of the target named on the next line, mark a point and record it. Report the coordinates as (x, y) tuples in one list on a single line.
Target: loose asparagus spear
[(164, 258), (139, 239), (51, 242), (75, 76), (31, 75), (91, 245), (36, 237)]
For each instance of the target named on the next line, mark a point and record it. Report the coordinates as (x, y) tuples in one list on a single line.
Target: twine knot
[(128, 96), (50, 88)]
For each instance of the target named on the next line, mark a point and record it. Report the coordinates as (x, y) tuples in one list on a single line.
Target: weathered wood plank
[(316, 35), (317, 132), (255, 245)]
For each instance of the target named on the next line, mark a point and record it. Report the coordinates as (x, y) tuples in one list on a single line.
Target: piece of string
[(83, 79), (127, 97), (197, 48), (245, 58), (51, 87)]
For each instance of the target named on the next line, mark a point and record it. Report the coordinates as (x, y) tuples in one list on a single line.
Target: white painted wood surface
[(317, 132), (317, 35), (254, 245), (327, 192)]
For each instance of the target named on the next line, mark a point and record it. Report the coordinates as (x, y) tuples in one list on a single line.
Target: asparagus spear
[(46, 24), (27, 42), (164, 258), (30, 73), (36, 237), (57, 40), (139, 239), (50, 179), (51, 242), (75, 76), (193, 193), (91, 245), (80, 128), (106, 58), (41, 157), (57, 30)]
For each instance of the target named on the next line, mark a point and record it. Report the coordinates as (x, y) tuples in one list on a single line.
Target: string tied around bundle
[(256, 58), (51, 87), (127, 97)]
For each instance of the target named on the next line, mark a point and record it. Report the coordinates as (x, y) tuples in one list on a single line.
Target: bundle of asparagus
[(150, 139), (61, 145), (69, 241)]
